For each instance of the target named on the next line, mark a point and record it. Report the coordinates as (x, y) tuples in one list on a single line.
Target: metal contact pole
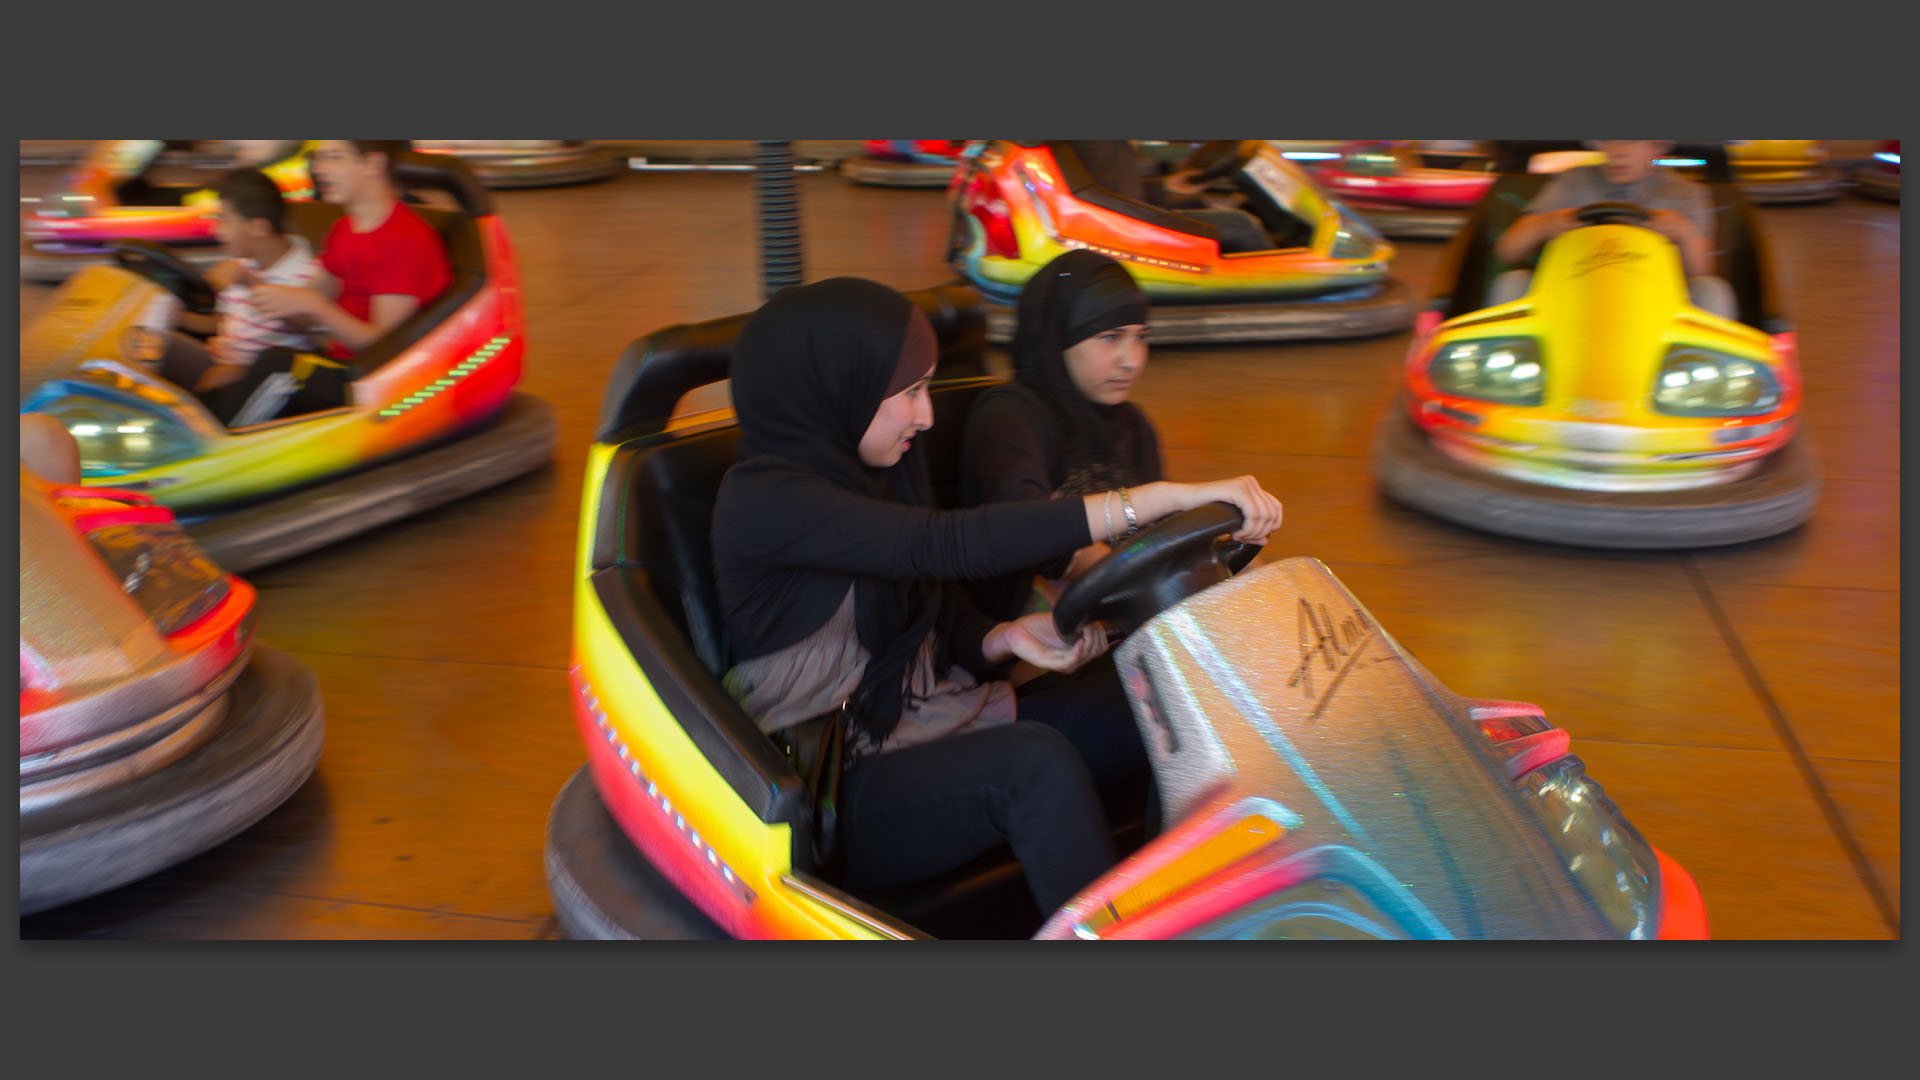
[(779, 194)]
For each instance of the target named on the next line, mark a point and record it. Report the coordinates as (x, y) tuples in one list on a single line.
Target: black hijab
[(809, 370), (1069, 300)]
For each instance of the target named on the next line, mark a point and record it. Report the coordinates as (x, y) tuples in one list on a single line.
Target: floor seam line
[(404, 907), (1810, 776)]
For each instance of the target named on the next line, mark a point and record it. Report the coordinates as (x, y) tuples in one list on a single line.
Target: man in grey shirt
[(1681, 211)]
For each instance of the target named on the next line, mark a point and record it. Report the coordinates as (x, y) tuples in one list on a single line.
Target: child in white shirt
[(250, 227)]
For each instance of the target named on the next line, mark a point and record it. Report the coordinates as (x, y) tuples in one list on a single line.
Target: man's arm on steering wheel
[(386, 311), (1696, 249), (1531, 233)]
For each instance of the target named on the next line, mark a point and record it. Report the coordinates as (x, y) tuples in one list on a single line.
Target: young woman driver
[(837, 575)]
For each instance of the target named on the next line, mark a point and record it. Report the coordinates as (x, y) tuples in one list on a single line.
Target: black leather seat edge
[(749, 762)]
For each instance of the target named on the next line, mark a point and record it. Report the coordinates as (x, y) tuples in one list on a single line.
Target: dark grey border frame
[(813, 71)]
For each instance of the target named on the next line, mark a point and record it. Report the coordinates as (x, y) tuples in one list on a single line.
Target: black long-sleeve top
[(785, 538), (1011, 453)]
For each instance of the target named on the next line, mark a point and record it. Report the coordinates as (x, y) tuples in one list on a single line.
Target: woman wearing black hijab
[(834, 572), (1064, 426)]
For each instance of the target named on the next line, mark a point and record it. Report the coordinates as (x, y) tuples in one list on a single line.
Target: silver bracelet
[(1133, 523), (1107, 502)]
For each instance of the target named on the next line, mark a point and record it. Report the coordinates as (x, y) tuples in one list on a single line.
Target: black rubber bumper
[(1413, 224), (602, 887), (1778, 496), (518, 440), (1875, 184), (1392, 308), (575, 165), (880, 172), (1826, 183), (267, 745)]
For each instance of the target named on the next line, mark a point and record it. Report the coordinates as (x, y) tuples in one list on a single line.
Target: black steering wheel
[(1612, 213), (168, 270), (1151, 572)]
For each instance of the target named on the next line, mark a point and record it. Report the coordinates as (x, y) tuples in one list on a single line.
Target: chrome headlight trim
[(1503, 370)]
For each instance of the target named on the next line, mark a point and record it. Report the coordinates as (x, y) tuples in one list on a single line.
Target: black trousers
[(322, 388), (1033, 785)]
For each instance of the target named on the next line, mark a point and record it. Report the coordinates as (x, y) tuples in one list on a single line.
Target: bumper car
[(910, 163), (432, 413), (1294, 264), (1602, 409), (1394, 188), (1775, 171), (152, 726), (110, 196), (526, 163), (1317, 782), (1880, 178)]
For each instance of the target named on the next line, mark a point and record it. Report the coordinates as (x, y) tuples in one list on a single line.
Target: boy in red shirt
[(381, 262)]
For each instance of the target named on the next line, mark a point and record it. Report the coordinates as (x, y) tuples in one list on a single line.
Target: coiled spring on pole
[(780, 261)]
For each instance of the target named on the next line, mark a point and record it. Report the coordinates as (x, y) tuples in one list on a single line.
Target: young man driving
[(381, 262), (1680, 210)]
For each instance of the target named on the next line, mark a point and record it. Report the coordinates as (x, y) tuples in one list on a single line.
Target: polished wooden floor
[(1742, 705)]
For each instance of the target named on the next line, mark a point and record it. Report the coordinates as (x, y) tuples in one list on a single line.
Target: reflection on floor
[(1742, 704)]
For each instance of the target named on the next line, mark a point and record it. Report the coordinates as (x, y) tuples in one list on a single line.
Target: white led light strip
[(659, 799)]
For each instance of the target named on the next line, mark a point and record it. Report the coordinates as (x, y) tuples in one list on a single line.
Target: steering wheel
[(1612, 213), (168, 270), (1163, 565)]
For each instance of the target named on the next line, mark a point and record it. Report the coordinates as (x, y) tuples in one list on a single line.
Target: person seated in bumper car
[(251, 227), (1064, 426), (1682, 211), (381, 263), (837, 580)]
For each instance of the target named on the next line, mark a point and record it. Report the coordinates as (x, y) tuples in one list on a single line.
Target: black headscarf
[(809, 370), (1069, 300)]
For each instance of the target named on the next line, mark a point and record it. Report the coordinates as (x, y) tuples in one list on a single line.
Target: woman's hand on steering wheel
[(1261, 511), (1035, 639)]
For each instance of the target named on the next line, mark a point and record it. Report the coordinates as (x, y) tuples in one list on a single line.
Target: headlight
[(162, 570), (1355, 239), (115, 439), (67, 204), (1613, 865), (1701, 382), (1505, 370)]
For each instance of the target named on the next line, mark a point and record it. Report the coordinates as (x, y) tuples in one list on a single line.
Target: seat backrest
[(1083, 185), (1742, 259), (656, 371), (1471, 258)]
